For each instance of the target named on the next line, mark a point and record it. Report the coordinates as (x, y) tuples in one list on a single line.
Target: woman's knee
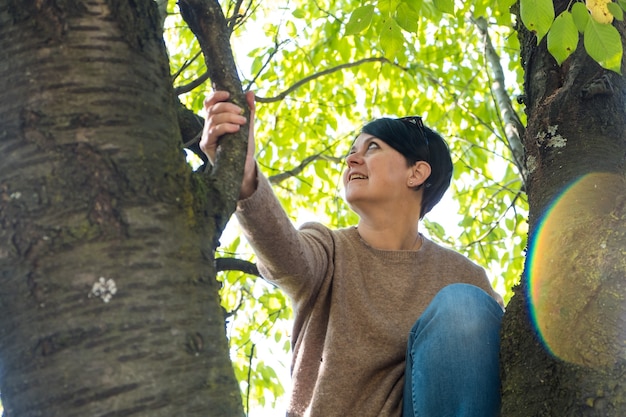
[(464, 307)]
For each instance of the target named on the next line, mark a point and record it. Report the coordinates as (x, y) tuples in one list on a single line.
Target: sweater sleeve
[(295, 260)]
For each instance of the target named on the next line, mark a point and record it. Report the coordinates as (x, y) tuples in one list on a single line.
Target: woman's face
[(375, 173)]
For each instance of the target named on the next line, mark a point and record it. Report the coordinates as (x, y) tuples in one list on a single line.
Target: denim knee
[(463, 308)]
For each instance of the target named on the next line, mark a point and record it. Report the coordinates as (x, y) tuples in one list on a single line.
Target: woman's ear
[(420, 171)]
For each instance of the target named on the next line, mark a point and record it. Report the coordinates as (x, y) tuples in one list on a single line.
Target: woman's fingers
[(222, 117), (215, 97)]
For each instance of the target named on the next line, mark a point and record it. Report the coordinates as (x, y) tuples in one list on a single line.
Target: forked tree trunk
[(108, 302), (564, 332)]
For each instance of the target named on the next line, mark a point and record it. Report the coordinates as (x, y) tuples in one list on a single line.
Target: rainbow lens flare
[(576, 270)]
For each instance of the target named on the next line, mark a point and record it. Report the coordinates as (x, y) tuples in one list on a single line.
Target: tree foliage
[(593, 20), (320, 70)]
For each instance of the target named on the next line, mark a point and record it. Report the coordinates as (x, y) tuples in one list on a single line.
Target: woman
[(387, 323)]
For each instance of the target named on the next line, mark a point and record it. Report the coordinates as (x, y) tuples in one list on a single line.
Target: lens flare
[(576, 270)]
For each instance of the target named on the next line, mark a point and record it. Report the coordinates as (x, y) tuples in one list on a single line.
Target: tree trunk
[(564, 332), (109, 306)]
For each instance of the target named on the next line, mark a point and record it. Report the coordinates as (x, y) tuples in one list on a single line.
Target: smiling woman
[(409, 137), (379, 178), (383, 316)]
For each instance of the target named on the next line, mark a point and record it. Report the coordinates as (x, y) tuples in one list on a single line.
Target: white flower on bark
[(104, 289)]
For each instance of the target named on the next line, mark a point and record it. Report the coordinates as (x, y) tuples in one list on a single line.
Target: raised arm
[(296, 261)]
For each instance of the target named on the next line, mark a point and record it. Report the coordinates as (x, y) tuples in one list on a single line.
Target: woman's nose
[(354, 158)]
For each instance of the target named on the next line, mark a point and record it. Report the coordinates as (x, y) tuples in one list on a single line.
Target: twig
[(277, 46), (276, 179), (182, 89), (185, 65), (312, 77), (249, 378)]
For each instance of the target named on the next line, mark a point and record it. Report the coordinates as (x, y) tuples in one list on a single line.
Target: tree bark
[(109, 306), (208, 23), (563, 336)]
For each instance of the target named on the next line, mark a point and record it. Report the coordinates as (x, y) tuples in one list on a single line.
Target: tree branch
[(185, 65), (495, 223), (249, 379), (513, 127), (232, 21), (182, 89), (235, 264), (312, 77), (206, 20), (276, 179), (277, 46)]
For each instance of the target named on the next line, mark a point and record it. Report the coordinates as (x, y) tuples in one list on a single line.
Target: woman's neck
[(390, 235)]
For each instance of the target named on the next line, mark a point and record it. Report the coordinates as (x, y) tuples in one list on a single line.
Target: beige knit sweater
[(354, 307)]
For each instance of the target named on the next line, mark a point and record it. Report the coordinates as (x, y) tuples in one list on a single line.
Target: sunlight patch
[(576, 265)]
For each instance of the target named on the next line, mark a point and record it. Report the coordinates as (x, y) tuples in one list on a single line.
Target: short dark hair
[(417, 142)]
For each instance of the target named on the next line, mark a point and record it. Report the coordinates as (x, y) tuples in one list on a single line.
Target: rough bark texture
[(564, 332), (206, 20), (108, 303)]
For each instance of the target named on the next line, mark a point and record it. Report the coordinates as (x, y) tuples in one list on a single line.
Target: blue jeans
[(452, 364)]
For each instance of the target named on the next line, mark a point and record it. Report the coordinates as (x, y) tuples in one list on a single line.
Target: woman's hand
[(225, 117)]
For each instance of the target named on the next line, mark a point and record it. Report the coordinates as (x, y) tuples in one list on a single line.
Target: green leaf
[(388, 6), (504, 5), (563, 37), (622, 4), (299, 14), (407, 18), (604, 44), (391, 38), (292, 31), (360, 19), (581, 16), (537, 16), (616, 11), (446, 6), (416, 5)]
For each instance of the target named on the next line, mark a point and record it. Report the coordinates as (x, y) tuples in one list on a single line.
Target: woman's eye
[(372, 145)]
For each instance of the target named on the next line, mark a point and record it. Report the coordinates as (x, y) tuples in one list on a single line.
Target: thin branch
[(185, 65), (278, 178), (236, 18), (182, 89), (513, 127), (234, 311), (235, 264), (232, 20), (317, 75), (326, 12), (495, 223), (249, 379), (277, 46)]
